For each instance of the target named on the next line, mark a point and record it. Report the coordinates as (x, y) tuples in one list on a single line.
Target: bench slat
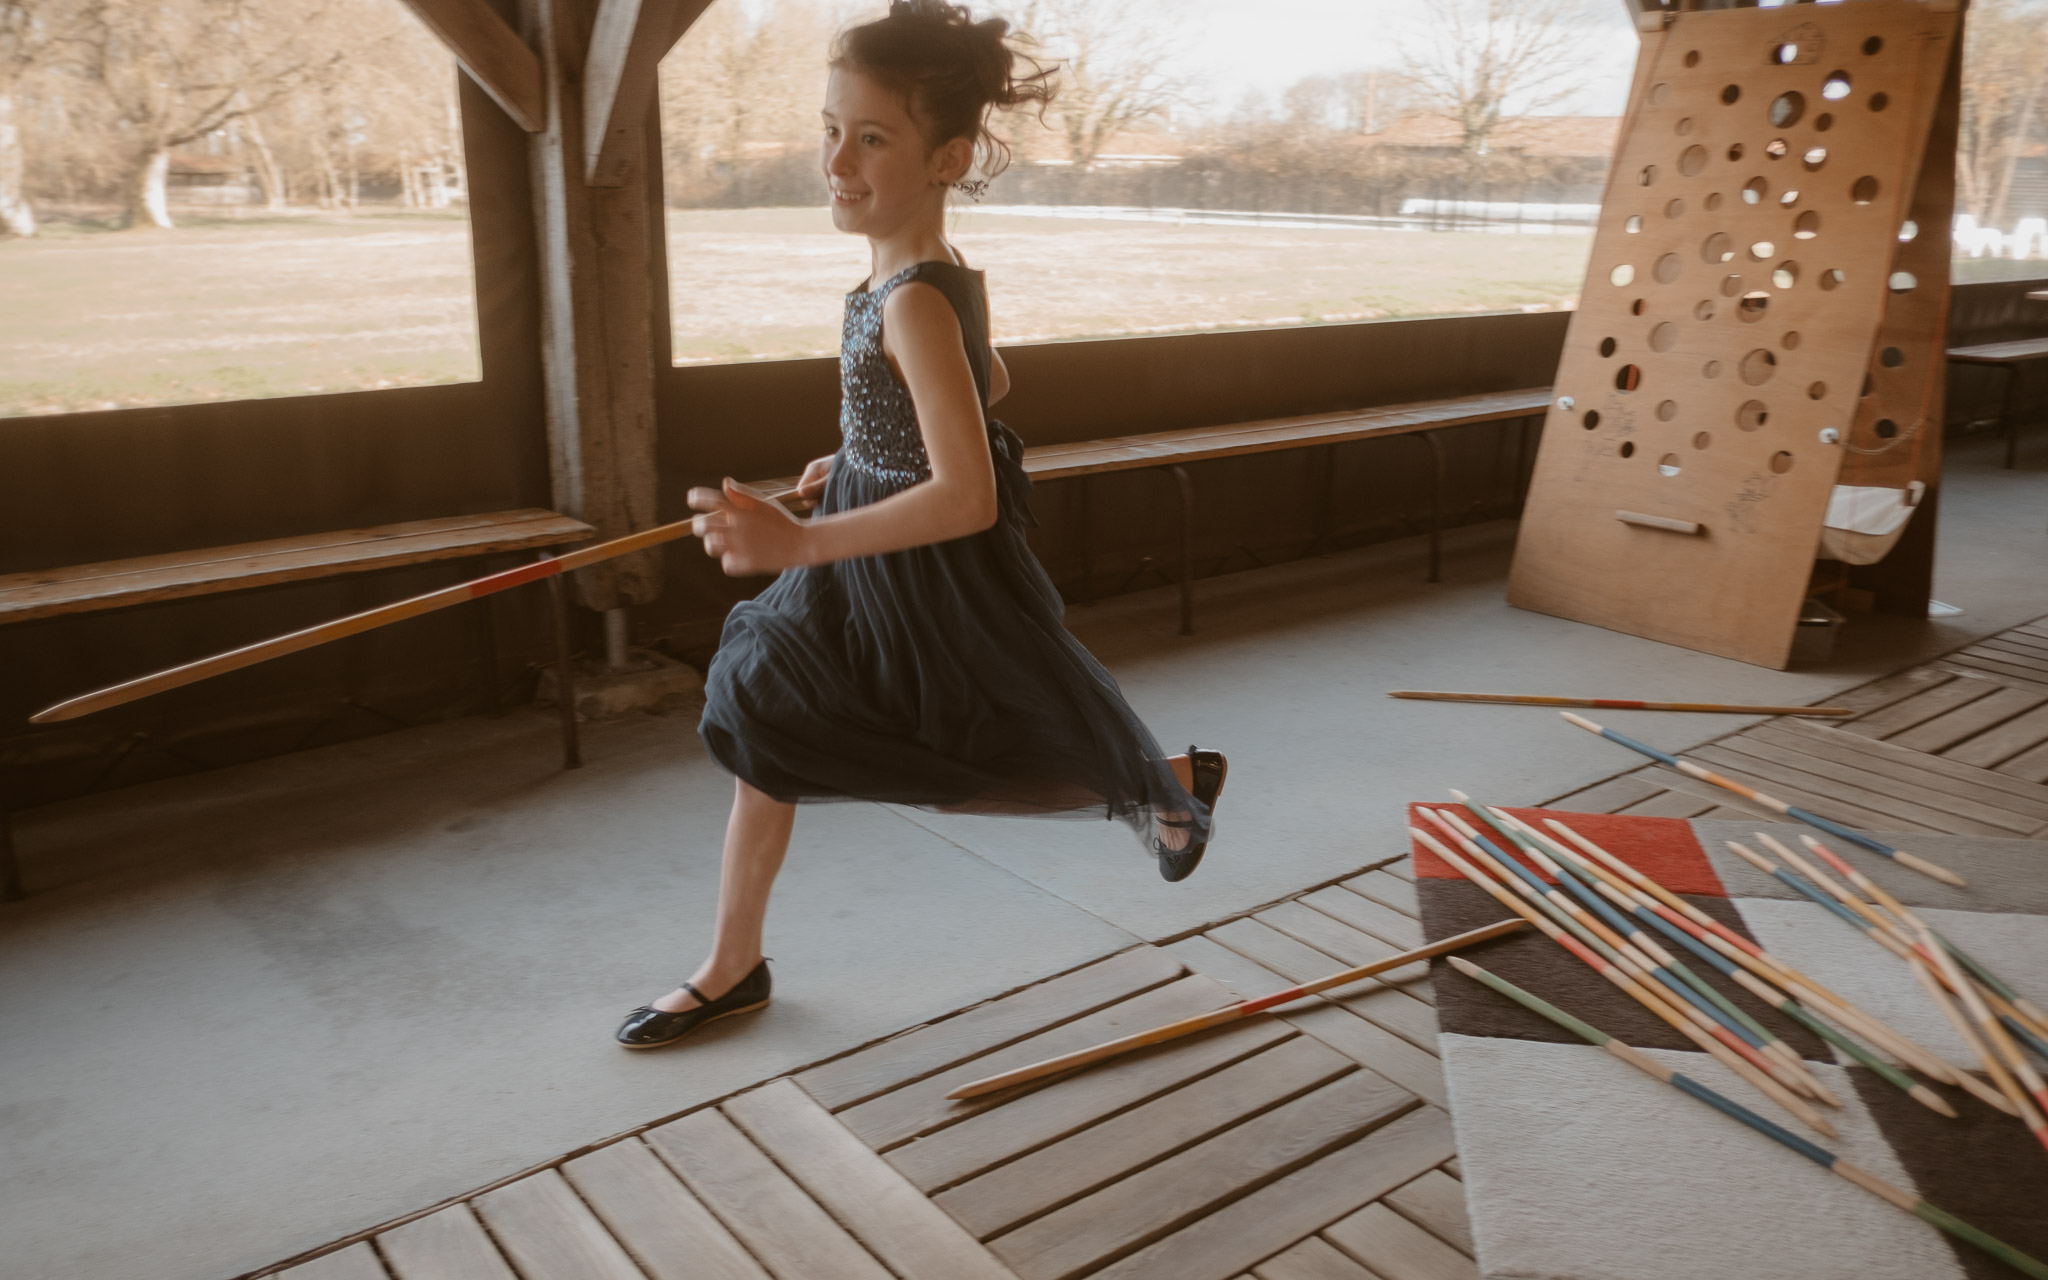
[(114, 583), (2001, 352)]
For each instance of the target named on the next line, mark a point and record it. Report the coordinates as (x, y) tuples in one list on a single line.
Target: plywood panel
[(1734, 296)]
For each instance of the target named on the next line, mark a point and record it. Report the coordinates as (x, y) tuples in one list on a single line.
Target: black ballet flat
[(650, 1028), (1210, 769)]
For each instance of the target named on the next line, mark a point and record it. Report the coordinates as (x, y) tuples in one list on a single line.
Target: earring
[(972, 188)]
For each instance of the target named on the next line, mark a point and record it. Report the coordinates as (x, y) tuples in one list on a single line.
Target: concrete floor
[(265, 1007)]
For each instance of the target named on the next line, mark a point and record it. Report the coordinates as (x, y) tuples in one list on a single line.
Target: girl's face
[(883, 175)]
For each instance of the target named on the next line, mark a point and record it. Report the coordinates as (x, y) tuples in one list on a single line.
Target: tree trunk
[(148, 203), (16, 217), (268, 175)]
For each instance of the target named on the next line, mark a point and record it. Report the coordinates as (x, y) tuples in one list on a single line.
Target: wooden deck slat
[(1194, 1182), (1780, 773), (1296, 1206), (1980, 665), (780, 1225), (1333, 937), (1885, 760), (2028, 766), (1918, 709), (879, 1068), (1896, 687), (1094, 1157), (1826, 805), (1391, 890), (1996, 745), (1397, 1249), (546, 1231), (1313, 1259), (2010, 655), (1362, 913), (449, 1244), (1404, 869), (1001, 1133), (1669, 804), (1416, 1070), (1436, 1202), (913, 1236), (357, 1262), (1390, 1007), (922, 1107), (2016, 642), (673, 1236), (1606, 797)]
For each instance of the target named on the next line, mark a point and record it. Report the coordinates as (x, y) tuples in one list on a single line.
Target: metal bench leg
[(1436, 504), (565, 674), (10, 870), (1187, 550), (2009, 417), (1087, 542)]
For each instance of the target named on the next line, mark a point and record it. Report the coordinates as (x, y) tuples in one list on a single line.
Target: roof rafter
[(627, 43), (493, 55)]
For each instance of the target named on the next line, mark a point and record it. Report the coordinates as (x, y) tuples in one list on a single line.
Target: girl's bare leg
[(756, 838)]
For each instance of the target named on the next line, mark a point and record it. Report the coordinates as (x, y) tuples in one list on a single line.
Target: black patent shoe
[(1209, 769), (650, 1028)]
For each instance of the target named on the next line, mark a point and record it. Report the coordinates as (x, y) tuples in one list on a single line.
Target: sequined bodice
[(877, 421)]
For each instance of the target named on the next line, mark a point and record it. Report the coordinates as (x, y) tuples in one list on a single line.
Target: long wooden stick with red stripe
[(371, 619), (1620, 704), (1229, 1013)]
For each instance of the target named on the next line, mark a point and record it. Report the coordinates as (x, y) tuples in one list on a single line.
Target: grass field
[(255, 307)]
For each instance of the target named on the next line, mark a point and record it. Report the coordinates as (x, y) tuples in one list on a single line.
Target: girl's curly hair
[(950, 70)]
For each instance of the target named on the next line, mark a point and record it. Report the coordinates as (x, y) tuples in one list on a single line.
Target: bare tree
[(1116, 68), (2005, 58), (33, 33), (1480, 59), (176, 72)]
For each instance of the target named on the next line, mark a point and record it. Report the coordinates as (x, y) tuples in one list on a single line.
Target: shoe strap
[(702, 999)]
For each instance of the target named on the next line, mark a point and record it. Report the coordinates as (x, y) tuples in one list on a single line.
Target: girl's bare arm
[(922, 336)]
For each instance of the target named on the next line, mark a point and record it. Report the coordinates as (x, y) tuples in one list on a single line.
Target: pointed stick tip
[(1464, 966), (1459, 796)]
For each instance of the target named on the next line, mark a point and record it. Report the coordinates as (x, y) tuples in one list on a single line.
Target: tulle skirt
[(940, 677)]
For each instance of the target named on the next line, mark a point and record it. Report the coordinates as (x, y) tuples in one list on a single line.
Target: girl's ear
[(950, 161)]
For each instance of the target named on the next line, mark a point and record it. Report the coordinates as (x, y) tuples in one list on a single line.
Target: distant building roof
[(1560, 136)]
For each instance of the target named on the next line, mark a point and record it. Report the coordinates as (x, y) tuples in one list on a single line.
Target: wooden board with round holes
[(1733, 303)]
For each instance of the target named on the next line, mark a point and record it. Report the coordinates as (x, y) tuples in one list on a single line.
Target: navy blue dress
[(940, 676)]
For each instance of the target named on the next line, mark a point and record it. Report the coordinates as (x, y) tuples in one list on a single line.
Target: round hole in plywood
[(1636, 308), (1730, 94), (1823, 122), (1668, 465), (1863, 190), (1701, 439), (1757, 367), (1754, 191), (1786, 109), (1785, 274), (1751, 308), (1713, 201), (1836, 86), (1752, 414), (1777, 148), (1692, 57), (1711, 369), (1684, 126), (1814, 158), (1660, 94), (1761, 251), (1692, 161), (1634, 223), (1675, 209), (1902, 282), (1871, 46), (1783, 55), (1606, 347), (1907, 230), (1791, 340), (1667, 410), (1664, 336), (1789, 199), (1807, 225), (1648, 175), (1891, 357), (1879, 101), (1730, 286), (1592, 419), (1781, 462), (1622, 274), (1628, 378), (1817, 391), (1885, 428), (1704, 310), (1833, 278), (1734, 152), (1627, 449), (1669, 267), (1716, 249)]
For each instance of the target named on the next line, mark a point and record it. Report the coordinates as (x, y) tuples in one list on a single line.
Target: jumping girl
[(911, 650)]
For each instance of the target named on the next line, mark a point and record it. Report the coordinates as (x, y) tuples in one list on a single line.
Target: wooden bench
[(114, 584), (2011, 357)]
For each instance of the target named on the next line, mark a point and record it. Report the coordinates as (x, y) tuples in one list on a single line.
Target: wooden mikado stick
[(1693, 938), (1592, 959), (381, 616), (1786, 807), (2021, 1084), (1229, 1013), (1616, 704), (1891, 1193), (1765, 965)]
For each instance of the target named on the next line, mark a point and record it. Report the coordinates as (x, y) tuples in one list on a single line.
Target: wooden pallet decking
[(1313, 1145)]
